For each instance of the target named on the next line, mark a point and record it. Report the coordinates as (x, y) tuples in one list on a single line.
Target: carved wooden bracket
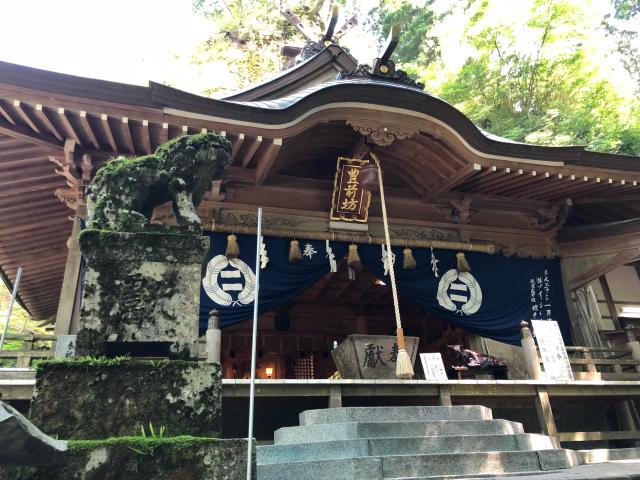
[(459, 211), (551, 217), (381, 134), (74, 194)]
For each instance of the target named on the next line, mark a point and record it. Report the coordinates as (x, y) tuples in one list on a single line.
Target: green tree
[(535, 80)]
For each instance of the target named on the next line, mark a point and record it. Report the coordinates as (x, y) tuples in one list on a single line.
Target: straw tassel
[(353, 259), (408, 262), (295, 255), (462, 264), (233, 249), (404, 368)]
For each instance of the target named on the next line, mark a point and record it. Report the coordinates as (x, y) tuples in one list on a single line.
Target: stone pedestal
[(102, 398), (371, 356), (141, 293)]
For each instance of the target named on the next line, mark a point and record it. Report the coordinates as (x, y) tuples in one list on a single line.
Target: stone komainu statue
[(124, 192)]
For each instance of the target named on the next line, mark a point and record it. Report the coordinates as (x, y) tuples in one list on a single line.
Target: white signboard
[(433, 366), (552, 350), (66, 346)]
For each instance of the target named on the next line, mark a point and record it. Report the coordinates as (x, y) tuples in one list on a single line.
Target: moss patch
[(124, 192)]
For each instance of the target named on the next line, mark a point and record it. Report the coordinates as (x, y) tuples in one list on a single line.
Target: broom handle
[(387, 238)]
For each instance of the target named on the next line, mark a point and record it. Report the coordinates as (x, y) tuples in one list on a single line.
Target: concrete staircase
[(376, 443)]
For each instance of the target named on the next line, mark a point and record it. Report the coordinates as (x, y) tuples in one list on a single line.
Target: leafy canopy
[(553, 72)]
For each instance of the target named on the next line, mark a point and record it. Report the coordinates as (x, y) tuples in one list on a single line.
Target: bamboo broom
[(404, 368)]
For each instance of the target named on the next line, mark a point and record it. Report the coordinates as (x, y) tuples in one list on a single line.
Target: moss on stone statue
[(124, 192), (93, 398), (124, 458)]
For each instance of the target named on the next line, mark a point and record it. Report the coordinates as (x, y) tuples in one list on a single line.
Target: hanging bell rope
[(404, 366), (353, 259), (233, 249), (355, 238), (295, 255)]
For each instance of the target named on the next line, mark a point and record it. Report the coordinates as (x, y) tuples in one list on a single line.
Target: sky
[(130, 41)]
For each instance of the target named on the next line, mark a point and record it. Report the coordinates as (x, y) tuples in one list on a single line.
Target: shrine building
[(549, 233)]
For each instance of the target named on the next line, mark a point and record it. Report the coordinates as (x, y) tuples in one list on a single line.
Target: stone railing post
[(530, 352), (633, 345), (214, 337)]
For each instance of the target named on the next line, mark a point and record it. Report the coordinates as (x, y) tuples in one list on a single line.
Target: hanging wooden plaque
[(350, 201)]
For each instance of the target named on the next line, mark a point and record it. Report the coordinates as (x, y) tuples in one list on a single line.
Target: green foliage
[(552, 72), (20, 322), (547, 90), (152, 432)]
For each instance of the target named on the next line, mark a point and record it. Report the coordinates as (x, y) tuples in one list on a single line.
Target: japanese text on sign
[(539, 288), (552, 350), (350, 200)]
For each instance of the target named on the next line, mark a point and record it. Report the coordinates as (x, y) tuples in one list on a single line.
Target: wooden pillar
[(530, 352), (545, 415), (633, 345), (613, 311), (444, 396), (335, 396), (68, 293), (361, 325)]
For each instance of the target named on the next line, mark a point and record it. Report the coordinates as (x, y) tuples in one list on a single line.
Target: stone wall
[(129, 458), (141, 288), (101, 398)]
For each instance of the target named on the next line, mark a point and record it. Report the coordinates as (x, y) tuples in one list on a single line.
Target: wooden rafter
[(22, 113), (146, 137), (126, 134), (104, 119), (251, 149), (88, 130), (454, 180), (4, 113), (487, 180), (69, 130), (266, 159), (49, 142), (236, 147), (46, 121)]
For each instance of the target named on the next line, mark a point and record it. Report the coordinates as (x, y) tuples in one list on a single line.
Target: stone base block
[(371, 356), (101, 398), (142, 291), (130, 458)]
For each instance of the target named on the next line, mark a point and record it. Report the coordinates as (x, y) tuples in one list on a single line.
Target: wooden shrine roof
[(57, 129)]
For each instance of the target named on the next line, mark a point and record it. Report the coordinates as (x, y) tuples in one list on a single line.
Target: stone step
[(397, 414), (352, 430), (375, 447), (420, 466)]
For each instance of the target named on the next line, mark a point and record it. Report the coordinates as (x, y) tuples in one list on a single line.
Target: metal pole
[(254, 342), (14, 294)]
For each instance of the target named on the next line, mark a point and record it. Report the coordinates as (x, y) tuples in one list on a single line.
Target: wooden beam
[(266, 160), (629, 198), (44, 119), (621, 258), (87, 130), (454, 180), (126, 133), (17, 106), (104, 118), (250, 151), (31, 187), (516, 184), (71, 132), (236, 147)]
